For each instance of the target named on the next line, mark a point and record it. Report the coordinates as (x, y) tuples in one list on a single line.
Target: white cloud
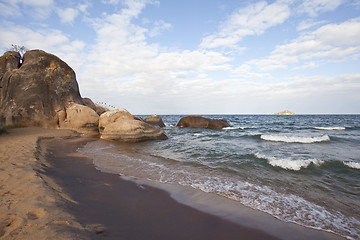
[(252, 20), (50, 40), (159, 27), (314, 7), (67, 15), (306, 24), (331, 42), (9, 9), (133, 67)]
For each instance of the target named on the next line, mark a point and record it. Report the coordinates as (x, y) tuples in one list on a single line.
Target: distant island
[(286, 112)]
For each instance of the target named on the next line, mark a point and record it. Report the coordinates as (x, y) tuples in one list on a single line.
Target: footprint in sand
[(8, 224), (36, 214)]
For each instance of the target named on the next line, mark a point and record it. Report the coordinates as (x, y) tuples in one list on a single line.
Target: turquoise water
[(303, 169)]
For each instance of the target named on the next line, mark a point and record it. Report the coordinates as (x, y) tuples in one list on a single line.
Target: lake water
[(303, 169)]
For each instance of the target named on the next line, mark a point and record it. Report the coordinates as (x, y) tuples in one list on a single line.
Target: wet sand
[(115, 208)]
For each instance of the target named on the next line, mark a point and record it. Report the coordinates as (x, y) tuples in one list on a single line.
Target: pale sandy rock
[(155, 120), (132, 131), (81, 118), (112, 116)]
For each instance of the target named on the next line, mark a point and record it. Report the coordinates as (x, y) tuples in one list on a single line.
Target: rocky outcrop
[(112, 116), (80, 118), (201, 122), (286, 112), (132, 131), (155, 120), (35, 93)]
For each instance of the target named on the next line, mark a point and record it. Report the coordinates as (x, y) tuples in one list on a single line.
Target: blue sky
[(200, 57)]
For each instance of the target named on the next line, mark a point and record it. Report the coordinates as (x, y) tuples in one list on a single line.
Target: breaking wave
[(289, 164), (350, 164), (330, 128), (295, 139)]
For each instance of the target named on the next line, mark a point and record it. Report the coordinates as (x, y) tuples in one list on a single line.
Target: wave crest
[(295, 139), (350, 164), (289, 164), (330, 128)]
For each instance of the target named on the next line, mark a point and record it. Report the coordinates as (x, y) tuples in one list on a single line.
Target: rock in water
[(201, 122), (132, 131), (34, 93), (155, 120)]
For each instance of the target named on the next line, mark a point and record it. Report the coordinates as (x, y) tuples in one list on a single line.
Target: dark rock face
[(201, 122), (155, 120), (35, 93)]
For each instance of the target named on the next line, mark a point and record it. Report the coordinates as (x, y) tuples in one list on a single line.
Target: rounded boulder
[(132, 131)]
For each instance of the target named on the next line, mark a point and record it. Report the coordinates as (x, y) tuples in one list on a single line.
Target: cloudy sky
[(200, 56)]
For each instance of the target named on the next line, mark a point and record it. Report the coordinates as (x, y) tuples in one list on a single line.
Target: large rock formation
[(34, 93), (155, 120), (132, 131), (80, 118), (201, 122)]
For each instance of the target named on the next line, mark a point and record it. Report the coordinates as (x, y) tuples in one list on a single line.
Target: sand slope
[(31, 207)]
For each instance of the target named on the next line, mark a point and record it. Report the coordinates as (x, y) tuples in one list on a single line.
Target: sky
[(200, 56)]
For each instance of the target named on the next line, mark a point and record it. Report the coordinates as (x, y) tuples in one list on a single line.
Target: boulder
[(132, 131), (113, 116), (155, 120), (35, 93), (201, 122), (89, 103), (80, 118)]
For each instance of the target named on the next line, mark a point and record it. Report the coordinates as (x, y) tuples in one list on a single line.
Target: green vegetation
[(7, 127)]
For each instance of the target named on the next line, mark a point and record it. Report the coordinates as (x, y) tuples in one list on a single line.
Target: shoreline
[(68, 198), (121, 209)]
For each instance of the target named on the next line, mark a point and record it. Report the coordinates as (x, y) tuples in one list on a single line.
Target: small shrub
[(12, 126)]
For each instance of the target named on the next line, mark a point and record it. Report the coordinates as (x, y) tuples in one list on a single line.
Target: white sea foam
[(289, 164), (295, 139), (350, 164), (198, 134), (235, 128), (330, 128)]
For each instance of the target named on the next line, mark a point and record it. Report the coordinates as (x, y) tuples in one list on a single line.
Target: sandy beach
[(31, 206), (50, 191)]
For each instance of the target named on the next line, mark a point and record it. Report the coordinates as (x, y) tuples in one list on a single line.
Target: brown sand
[(30, 206), (49, 191)]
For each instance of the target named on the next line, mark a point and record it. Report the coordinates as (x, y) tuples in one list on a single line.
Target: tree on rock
[(20, 49)]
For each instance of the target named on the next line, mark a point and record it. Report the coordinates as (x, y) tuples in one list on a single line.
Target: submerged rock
[(132, 131), (201, 122)]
